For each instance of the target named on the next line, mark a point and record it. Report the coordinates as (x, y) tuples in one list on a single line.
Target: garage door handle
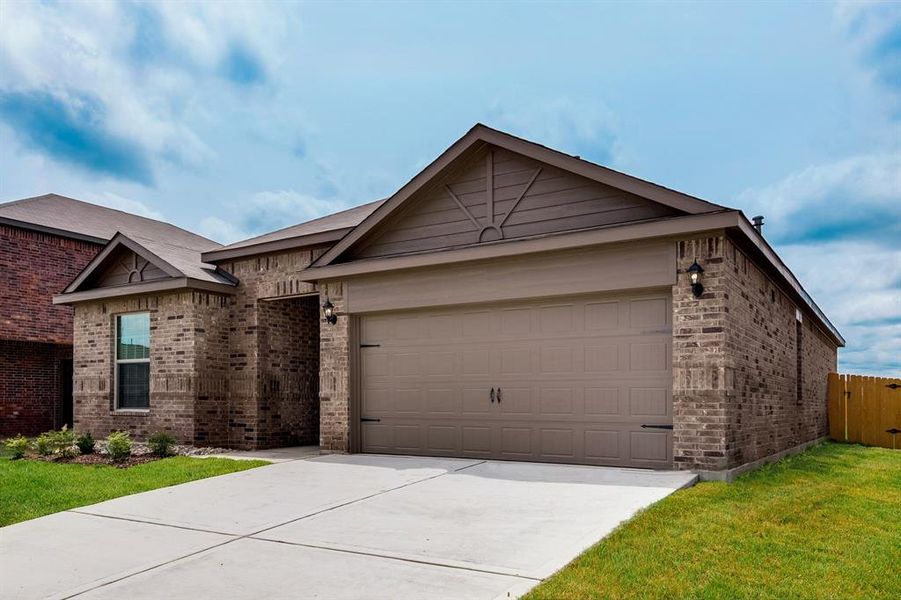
[(656, 426), (491, 395), (369, 420), (498, 395)]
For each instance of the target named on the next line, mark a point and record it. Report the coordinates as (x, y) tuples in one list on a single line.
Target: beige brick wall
[(256, 390), (179, 353), (334, 376), (735, 363)]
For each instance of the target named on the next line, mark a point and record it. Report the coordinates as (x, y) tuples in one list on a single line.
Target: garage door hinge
[(370, 345), (369, 420), (656, 426)]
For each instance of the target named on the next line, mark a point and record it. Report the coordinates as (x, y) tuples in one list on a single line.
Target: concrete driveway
[(360, 526)]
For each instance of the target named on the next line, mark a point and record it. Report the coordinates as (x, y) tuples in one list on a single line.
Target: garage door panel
[(516, 360), (602, 316), (557, 359), (556, 319), (649, 402), (602, 358), (443, 438), (648, 313), (476, 362), (441, 401), (648, 356), (439, 363), (516, 442), (476, 401), (557, 401), (407, 400), (601, 401), (557, 443), (602, 444), (652, 446), (476, 440), (579, 379), (516, 401)]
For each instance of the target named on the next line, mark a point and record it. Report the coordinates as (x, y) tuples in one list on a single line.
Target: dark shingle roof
[(63, 215), (70, 217)]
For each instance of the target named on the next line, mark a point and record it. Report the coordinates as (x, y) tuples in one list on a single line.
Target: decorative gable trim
[(120, 241), (468, 147)]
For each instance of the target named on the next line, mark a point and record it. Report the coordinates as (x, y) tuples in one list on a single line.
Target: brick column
[(334, 374), (701, 375)]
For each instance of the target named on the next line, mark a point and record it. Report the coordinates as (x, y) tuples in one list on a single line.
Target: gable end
[(501, 195)]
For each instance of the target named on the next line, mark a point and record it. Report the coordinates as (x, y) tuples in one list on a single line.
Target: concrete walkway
[(342, 527)]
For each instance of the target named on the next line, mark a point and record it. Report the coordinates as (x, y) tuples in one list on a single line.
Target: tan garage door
[(577, 381)]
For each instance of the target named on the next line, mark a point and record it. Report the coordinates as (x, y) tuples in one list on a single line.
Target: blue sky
[(233, 119)]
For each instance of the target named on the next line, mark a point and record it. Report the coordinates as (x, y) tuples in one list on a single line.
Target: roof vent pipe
[(758, 223)]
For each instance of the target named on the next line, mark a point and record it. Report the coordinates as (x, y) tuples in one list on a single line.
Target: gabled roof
[(323, 230), (481, 135), (68, 217), (183, 265)]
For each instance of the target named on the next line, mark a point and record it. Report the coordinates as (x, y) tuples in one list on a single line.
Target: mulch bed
[(96, 459)]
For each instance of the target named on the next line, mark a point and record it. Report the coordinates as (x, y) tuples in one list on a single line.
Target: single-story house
[(509, 302), (45, 241)]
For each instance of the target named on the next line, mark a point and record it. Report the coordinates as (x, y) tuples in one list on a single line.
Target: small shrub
[(63, 442), (118, 445), (44, 444), (56, 443), (161, 444), (17, 446), (85, 443)]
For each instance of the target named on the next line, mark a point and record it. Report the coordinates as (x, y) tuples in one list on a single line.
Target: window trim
[(117, 361)]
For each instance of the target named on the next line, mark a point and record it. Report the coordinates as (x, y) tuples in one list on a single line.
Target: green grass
[(824, 524), (30, 488)]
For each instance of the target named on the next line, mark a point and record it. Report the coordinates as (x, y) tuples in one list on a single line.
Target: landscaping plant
[(118, 445), (161, 444), (17, 446), (85, 443), (43, 444), (62, 442)]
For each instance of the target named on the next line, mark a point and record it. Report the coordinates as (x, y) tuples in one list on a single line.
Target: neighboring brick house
[(509, 302), (45, 242)]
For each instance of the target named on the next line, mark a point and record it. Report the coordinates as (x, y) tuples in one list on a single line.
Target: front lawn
[(824, 524), (31, 488)]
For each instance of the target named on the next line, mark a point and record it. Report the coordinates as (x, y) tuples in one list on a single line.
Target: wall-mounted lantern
[(329, 310), (694, 272)]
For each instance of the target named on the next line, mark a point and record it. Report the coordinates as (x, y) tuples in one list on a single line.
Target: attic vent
[(758, 223)]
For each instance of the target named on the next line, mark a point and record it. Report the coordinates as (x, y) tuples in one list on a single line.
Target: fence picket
[(862, 409)]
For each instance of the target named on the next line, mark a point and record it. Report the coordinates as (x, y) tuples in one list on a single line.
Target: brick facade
[(273, 402), (35, 334), (736, 393), (31, 386), (187, 367), (241, 370)]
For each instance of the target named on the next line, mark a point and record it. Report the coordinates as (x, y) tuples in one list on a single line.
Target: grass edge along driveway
[(823, 524), (32, 488)]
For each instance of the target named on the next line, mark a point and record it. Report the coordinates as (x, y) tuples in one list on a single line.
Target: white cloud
[(586, 128), (838, 227), (264, 212), (855, 198), (111, 200), (155, 66)]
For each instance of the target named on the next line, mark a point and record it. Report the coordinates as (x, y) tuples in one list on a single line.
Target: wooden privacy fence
[(864, 410)]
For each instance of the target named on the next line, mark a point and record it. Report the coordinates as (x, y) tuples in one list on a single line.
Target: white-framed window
[(133, 361)]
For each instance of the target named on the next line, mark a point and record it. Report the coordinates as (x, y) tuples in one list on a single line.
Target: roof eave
[(292, 243), (52, 231), (147, 287)]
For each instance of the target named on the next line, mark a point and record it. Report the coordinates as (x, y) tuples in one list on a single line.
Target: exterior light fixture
[(329, 310), (694, 272)]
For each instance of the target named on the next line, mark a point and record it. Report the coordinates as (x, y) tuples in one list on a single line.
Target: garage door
[(585, 381)]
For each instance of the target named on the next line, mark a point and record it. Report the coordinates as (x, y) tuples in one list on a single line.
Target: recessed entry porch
[(288, 372)]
